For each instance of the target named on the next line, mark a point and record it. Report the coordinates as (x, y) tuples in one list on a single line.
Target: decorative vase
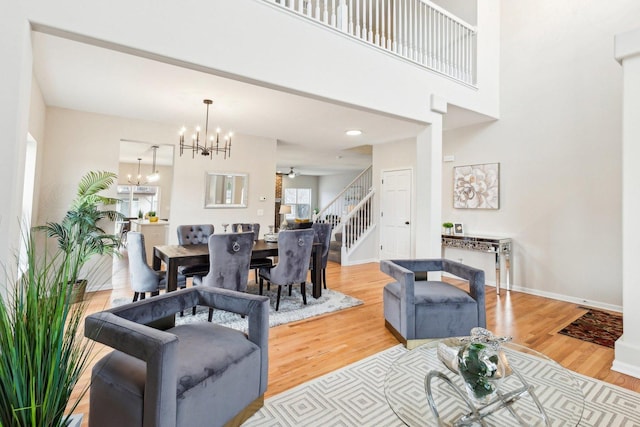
[(481, 369)]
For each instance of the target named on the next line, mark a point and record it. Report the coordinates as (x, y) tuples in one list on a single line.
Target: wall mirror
[(225, 190)]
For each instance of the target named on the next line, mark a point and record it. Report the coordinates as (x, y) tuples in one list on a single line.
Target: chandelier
[(210, 144), (138, 180), (155, 176)]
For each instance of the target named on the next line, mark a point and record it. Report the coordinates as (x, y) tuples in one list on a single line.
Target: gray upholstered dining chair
[(256, 263), (229, 257), (323, 234), (294, 252), (194, 235), (416, 309), (143, 278), (197, 374)]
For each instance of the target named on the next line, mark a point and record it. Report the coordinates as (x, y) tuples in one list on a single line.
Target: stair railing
[(417, 30), (346, 200), (357, 222)]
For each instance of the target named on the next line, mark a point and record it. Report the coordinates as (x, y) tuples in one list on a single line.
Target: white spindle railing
[(357, 222), (346, 200), (417, 30)]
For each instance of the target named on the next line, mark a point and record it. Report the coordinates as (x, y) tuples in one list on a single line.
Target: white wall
[(330, 185), (251, 155), (37, 121), (559, 147)]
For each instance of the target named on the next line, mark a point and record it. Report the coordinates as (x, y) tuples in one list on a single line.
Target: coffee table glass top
[(554, 386)]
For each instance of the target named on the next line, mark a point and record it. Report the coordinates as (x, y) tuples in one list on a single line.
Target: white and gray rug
[(354, 396), (291, 307)]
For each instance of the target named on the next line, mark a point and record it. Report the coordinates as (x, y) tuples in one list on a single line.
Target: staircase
[(350, 213)]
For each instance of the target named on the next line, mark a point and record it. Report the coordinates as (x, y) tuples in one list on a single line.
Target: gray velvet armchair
[(416, 309), (198, 374)]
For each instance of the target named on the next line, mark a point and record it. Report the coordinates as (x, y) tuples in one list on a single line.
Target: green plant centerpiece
[(152, 216), (481, 366), (80, 234)]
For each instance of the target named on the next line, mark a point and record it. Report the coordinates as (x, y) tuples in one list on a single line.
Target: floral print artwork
[(477, 186)]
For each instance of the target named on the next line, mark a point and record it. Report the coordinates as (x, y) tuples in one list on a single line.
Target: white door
[(395, 214)]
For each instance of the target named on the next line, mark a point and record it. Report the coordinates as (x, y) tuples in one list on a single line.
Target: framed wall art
[(476, 186), (458, 229)]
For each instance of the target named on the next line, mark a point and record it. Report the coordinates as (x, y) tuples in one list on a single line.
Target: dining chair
[(229, 257), (143, 278), (294, 252), (194, 235), (257, 262), (323, 234)]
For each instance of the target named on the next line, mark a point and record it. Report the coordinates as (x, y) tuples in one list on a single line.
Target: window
[(300, 201)]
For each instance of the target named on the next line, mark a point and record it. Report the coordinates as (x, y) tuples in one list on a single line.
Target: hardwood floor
[(307, 349)]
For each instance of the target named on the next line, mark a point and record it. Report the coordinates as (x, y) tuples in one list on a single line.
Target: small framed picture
[(458, 229)]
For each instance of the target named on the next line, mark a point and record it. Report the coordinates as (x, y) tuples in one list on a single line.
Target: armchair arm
[(157, 348), (476, 284)]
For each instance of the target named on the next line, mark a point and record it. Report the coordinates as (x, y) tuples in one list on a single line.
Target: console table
[(499, 246)]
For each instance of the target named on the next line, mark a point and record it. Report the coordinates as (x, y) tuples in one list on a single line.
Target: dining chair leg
[(194, 311), (143, 295), (260, 283), (290, 287), (210, 314), (303, 289), (135, 296), (278, 298), (324, 277)]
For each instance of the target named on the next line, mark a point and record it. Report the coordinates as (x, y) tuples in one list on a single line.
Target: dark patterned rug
[(597, 327)]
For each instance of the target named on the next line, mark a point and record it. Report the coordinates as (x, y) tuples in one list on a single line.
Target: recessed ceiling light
[(354, 132)]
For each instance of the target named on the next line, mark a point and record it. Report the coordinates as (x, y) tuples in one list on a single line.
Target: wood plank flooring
[(310, 348)]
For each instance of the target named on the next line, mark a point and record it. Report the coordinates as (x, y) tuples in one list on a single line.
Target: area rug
[(354, 396), (291, 307), (596, 327)]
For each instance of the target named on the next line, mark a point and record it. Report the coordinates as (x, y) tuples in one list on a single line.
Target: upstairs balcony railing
[(416, 30)]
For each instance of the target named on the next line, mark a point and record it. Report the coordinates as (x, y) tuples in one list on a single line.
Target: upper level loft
[(419, 31)]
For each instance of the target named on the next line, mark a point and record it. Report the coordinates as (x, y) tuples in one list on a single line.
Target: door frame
[(411, 208)]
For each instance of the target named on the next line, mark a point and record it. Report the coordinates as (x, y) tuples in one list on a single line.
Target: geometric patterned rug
[(354, 396), (596, 327)]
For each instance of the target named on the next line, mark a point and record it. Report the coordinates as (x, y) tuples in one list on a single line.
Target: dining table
[(174, 256)]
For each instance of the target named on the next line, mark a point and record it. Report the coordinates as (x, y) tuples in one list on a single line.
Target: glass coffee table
[(553, 386)]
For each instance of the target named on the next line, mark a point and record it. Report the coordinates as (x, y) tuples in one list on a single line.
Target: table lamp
[(284, 210)]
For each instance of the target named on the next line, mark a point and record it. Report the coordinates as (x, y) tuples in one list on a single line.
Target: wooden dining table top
[(260, 250)]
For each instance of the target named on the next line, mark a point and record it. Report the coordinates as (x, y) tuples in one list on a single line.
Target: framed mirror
[(225, 190)]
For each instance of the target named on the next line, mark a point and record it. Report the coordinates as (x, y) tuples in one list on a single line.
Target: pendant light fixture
[(210, 144), (155, 175), (138, 178)]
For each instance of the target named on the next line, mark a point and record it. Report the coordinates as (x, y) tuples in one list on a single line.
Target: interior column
[(428, 186), (627, 350)]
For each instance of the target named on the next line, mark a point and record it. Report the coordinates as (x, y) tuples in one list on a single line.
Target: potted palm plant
[(43, 353), (80, 234)]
